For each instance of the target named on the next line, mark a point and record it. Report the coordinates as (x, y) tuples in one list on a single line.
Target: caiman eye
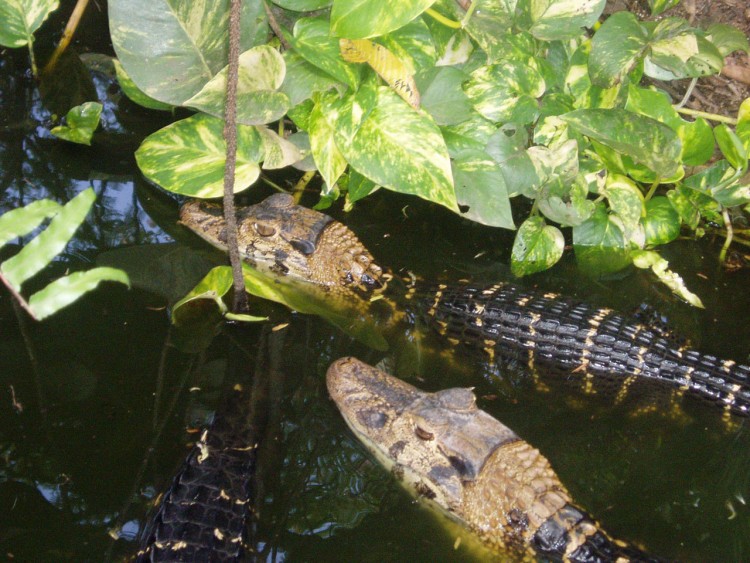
[(264, 230), (423, 434)]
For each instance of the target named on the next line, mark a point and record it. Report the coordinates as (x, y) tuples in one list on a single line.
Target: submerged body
[(470, 465), (598, 347)]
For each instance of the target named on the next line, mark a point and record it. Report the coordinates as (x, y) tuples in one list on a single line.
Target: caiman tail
[(603, 347), (471, 466), (204, 514)]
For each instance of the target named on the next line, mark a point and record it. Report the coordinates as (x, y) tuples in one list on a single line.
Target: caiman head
[(434, 442), (282, 239), (466, 463)]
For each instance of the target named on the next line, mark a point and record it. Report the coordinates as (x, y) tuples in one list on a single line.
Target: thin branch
[(710, 116), (230, 136), (275, 26), (67, 36), (17, 297)]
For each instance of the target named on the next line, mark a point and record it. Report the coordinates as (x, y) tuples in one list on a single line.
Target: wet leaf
[(662, 222), (80, 123), (600, 243), (64, 291), (480, 185), (21, 18), (172, 49), (625, 200), (360, 19), (20, 222), (647, 141), (188, 157), (650, 259), (537, 247), (394, 146), (214, 286), (134, 93), (49, 243), (261, 73), (556, 19)]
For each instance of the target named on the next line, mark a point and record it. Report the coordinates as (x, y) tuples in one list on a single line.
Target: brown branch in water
[(230, 136), (67, 36)]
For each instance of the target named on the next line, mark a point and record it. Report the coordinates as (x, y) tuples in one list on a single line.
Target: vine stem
[(706, 115), (17, 297), (437, 16), (230, 136), (730, 234), (67, 36), (652, 189)]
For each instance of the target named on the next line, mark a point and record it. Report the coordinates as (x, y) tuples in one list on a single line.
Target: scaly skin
[(471, 466), (601, 349)]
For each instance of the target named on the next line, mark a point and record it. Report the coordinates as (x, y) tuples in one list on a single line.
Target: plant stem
[(271, 183), (230, 135), (17, 297), (688, 93), (437, 16), (730, 234), (301, 184), (275, 26), (67, 35), (32, 58), (706, 115), (469, 13), (652, 189)]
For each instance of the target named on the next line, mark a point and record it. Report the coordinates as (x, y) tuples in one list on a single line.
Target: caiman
[(290, 246), (471, 466)]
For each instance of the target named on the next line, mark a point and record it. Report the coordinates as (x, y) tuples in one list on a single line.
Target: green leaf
[(662, 222), (360, 19), (328, 158), (697, 137), (489, 25), (692, 204), (625, 201), (442, 95), (412, 44), (600, 243), (358, 187), (278, 152), (616, 49), (215, 285), (312, 41), (563, 19), (64, 291), (659, 6), (743, 124), (134, 93), (537, 247), (727, 38), (506, 92), (643, 139), (650, 259), (480, 185), (21, 18), (188, 157), (303, 5), (81, 121), (566, 202), (470, 134), (731, 147), (303, 79), (261, 73), (172, 49), (20, 222), (394, 146), (50, 242)]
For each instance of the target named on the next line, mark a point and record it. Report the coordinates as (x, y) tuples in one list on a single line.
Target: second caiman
[(296, 248)]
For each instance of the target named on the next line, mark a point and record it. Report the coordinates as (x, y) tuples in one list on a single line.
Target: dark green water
[(96, 403)]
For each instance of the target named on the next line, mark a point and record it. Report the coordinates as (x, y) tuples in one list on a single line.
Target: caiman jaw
[(283, 239)]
